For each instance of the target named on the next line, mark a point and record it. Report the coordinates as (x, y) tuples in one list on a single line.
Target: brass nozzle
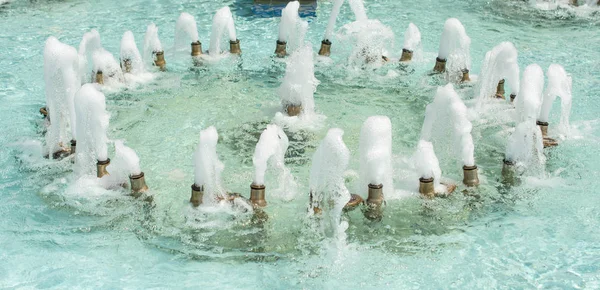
[(196, 48), (355, 201), (101, 167), (99, 77), (374, 204), (293, 110), (325, 49), (197, 193), (406, 55), (257, 195), (234, 47), (470, 176), (512, 97), (73, 146), (159, 60), (426, 188), (465, 76), (573, 3), (440, 65), (548, 142), (138, 184), (44, 111), (500, 89), (127, 64), (508, 172), (280, 49)]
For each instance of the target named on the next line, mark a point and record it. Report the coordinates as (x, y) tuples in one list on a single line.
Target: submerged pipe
[(197, 193), (406, 55), (293, 110), (280, 49), (500, 89), (138, 184), (325, 49), (374, 209), (470, 176), (159, 61), (101, 167), (426, 188), (465, 76), (234, 47), (196, 48), (440, 65), (99, 77), (257, 195)]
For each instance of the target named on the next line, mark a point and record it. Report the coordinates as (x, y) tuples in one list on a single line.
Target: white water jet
[(448, 114), (358, 8), (499, 63), (208, 167), (337, 4), (559, 84), (271, 147), (186, 32), (370, 39), (412, 38), (455, 48), (152, 44), (427, 163), (61, 80), (222, 22), (292, 29), (299, 83), (89, 44), (125, 163), (375, 148), (92, 126), (529, 100), (129, 51), (110, 68)]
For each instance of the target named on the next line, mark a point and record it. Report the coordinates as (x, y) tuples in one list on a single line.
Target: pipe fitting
[(548, 142), (44, 111), (138, 184), (234, 47), (99, 77), (465, 76), (159, 60), (353, 203), (325, 49), (426, 188), (374, 204), (440, 65), (196, 48), (197, 194), (470, 176), (280, 49), (101, 167), (406, 55), (500, 89), (257, 195), (293, 110)]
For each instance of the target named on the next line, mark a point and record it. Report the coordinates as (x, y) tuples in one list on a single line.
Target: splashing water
[(375, 148), (152, 44), (499, 63), (559, 84), (89, 44), (292, 29), (208, 167), (427, 164), (129, 51), (186, 32), (92, 125), (529, 100), (455, 48), (222, 21), (412, 38), (337, 4), (106, 63), (358, 8)]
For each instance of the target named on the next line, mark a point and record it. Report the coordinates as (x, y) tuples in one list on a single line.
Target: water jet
[(454, 50), (412, 42)]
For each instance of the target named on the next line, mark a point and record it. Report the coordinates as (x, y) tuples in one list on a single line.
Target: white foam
[(110, 68)]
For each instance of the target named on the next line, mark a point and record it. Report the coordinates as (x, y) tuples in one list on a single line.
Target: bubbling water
[(559, 84), (61, 78), (222, 21), (375, 148), (208, 167), (130, 52), (499, 63), (455, 48), (152, 44), (186, 31), (92, 125)]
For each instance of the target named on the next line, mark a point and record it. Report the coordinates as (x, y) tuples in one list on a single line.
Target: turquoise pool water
[(56, 232)]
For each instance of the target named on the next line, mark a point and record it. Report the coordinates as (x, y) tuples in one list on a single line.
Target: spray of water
[(89, 44), (222, 22), (426, 162), (130, 52), (292, 28), (559, 84), (151, 44), (455, 48), (375, 148), (207, 165), (412, 37), (110, 68), (499, 63), (186, 32), (299, 83), (337, 4), (92, 124)]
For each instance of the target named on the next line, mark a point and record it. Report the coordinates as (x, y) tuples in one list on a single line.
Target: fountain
[(525, 146), (325, 49), (559, 84), (448, 113), (500, 65), (376, 171), (153, 50), (299, 84), (131, 59), (92, 124), (223, 20), (454, 52), (107, 70), (131, 164), (61, 78), (89, 44), (186, 32), (428, 168), (291, 29), (412, 42), (207, 186), (370, 38)]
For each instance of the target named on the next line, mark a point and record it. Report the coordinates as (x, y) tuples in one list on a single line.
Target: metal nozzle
[(325, 49), (234, 47), (280, 49), (44, 111), (197, 193), (293, 110), (257, 195), (355, 201), (440, 65), (426, 188), (73, 146), (465, 76), (374, 209), (138, 184), (512, 97), (101, 167), (470, 176), (159, 60), (548, 142), (99, 77), (500, 89), (406, 55), (573, 3), (196, 48), (127, 64), (509, 173)]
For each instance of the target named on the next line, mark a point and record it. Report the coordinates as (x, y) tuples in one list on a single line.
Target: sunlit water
[(59, 233)]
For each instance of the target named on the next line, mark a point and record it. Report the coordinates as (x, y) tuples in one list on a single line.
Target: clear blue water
[(55, 233)]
